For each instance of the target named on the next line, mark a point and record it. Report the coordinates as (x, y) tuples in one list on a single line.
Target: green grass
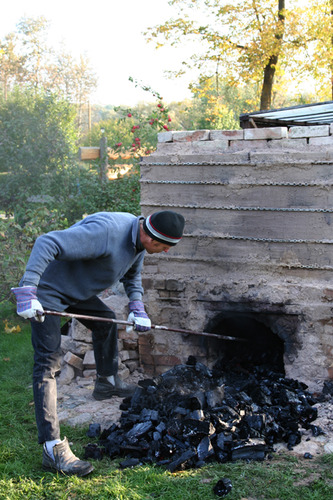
[(21, 476)]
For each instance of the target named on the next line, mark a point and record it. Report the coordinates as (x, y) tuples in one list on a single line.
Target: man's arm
[(133, 286), (132, 280)]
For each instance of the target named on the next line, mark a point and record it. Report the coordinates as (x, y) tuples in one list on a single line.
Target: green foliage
[(17, 241), (118, 195), (38, 143), (217, 105), (47, 213), (133, 129)]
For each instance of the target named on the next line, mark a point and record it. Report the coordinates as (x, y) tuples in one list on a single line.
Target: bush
[(46, 213), (17, 241)]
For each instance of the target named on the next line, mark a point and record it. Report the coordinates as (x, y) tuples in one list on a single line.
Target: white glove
[(138, 317), (28, 306)]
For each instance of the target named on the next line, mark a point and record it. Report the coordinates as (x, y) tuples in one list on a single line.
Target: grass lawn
[(21, 476)]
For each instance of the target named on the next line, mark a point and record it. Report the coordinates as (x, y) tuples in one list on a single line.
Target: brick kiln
[(256, 258)]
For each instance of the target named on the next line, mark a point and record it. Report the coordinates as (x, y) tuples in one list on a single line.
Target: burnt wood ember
[(191, 415), (222, 487)]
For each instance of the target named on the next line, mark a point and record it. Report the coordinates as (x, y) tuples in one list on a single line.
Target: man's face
[(153, 246)]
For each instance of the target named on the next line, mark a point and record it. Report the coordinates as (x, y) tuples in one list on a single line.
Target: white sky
[(110, 34)]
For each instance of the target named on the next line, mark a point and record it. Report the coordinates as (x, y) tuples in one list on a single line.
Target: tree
[(26, 59), (73, 79), (319, 58), (33, 34), (38, 136), (246, 40), (11, 64), (217, 105)]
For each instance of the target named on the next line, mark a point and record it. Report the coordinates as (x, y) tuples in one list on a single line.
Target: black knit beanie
[(165, 227)]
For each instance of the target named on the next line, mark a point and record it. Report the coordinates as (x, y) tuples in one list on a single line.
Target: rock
[(73, 360), (89, 360), (66, 375)]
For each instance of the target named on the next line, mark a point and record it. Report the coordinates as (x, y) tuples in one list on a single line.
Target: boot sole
[(100, 396), (79, 474)]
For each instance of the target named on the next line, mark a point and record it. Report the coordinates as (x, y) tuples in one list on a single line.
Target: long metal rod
[(156, 327)]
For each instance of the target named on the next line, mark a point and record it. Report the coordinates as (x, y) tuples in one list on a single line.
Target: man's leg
[(105, 343), (46, 339), (57, 455)]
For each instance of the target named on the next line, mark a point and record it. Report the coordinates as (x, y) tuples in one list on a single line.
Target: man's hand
[(138, 316), (28, 306)]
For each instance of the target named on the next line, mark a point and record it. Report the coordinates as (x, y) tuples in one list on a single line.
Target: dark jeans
[(46, 341)]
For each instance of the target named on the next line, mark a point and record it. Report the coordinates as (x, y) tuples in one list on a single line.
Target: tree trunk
[(331, 4), (266, 91), (103, 144), (270, 68)]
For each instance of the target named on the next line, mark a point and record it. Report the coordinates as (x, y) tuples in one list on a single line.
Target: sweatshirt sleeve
[(132, 280)]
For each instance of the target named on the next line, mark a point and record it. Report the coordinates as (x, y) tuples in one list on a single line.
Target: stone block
[(172, 148), (309, 131), (231, 135), (238, 146), (164, 137), (176, 294), (66, 375), (159, 284), (147, 339), (118, 304), (123, 372), (79, 332), (288, 144), (132, 365), (124, 355), (174, 285), (78, 348), (130, 345), (146, 359), (91, 373), (210, 146), (73, 360), (89, 361), (286, 157), (147, 282), (167, 360), (248, 145), (251, 134), (321, 141), (191, 135), (131, 336)]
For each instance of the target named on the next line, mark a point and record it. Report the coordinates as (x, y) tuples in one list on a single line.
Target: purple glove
[(28, 306), (138, 316)]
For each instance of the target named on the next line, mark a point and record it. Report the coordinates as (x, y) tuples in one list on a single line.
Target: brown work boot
[(65, 461), (105, 390)]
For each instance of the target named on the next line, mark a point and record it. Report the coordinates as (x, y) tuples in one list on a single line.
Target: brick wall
[(224, 141), (258, 238), (258, 209)]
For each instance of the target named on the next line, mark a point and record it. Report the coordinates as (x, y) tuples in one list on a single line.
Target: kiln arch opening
[(262, 346)]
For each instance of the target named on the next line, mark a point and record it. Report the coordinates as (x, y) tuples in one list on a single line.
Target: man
[(65, 272)]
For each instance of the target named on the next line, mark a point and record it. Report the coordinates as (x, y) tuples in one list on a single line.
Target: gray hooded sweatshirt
[(77, 263)]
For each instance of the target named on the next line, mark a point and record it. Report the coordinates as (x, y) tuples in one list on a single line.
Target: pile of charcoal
[(191, 415)]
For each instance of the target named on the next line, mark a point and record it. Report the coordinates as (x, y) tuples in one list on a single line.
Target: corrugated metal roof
[(320, 113)]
